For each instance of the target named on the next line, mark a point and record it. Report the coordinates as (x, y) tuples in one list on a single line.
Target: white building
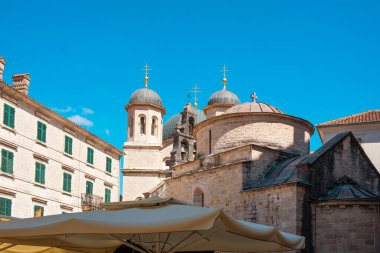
[(49, 165), (366, 128)]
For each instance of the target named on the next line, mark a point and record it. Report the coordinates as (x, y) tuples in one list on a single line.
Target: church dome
[(145, 95), (223, 97), (170, 124), (253, 107)]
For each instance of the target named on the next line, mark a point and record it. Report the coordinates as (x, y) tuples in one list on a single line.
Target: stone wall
[(346, 227)]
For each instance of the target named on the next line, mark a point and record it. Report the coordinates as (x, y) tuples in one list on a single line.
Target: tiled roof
[(368, 116), (253, 107)]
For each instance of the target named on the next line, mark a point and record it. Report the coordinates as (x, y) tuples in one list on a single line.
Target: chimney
[(21, 83), (2, 64)]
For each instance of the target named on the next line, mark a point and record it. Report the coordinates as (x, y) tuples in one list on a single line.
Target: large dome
[(223, 97), (145, 95), (253, 107), (169, 127)]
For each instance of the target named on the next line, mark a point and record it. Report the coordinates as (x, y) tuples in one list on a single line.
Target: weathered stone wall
[(346, 228), (274, 131)]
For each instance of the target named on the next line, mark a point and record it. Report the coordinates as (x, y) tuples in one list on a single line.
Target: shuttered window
[(6, 161), (40, 173), (38, 211), (68, 145), (89, 187), (90, 155), (107, 195), (9, 116), (66, 182), (5, 207), (41, 131), (108, 164)]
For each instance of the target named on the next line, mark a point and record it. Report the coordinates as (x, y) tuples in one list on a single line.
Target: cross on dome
[(195, 90), (254, 97), (224, 70), (146, 78)]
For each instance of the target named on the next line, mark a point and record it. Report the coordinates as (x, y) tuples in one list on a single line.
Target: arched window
[(130, 126), (153, 130), (184, 150), (191, 125), (198, 197), (142, 124)]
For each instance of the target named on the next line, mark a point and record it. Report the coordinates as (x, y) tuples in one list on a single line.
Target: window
[(90, 155), (191, 125), (153, 130), (89, 187), (40, 173), (38, 211), (41, 131), (198, 197), (68, 145), (209, 141), (108, 164), (9, 116), (107, 195), (66, 182), (130, 126), (6, 161), (142, 124), (5, 206)]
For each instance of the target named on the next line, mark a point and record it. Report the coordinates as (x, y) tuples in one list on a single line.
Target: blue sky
[(318, 60)]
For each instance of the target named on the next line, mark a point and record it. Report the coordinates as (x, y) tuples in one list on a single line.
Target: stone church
[(254, 161)]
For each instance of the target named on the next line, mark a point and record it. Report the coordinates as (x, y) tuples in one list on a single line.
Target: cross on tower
[(195, 90), (146, 78), (224, 70), (254, 97)]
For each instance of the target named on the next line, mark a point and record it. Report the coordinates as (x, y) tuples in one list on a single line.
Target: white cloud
[(87, 111), (107, 131), (64, 110), (81, 121)]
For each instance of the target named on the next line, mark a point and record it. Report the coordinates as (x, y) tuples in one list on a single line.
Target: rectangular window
[(108, 164), (68, 145), (90, 155), (9, 116), (89, 187), (66, 182), (107, 195), (209, 141), (38, 211), (5, 207), (41, 131), (6, 161), (40, 173)]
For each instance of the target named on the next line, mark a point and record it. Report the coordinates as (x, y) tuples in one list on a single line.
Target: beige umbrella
[(148, 226)]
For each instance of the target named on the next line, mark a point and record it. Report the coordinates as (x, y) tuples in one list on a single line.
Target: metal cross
[(146, 68), (254, 97), (195, 90), (225, 70)]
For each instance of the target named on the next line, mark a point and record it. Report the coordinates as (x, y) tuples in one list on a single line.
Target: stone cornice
[(19, 97), (8, 144), (139, 171), (163, 111)]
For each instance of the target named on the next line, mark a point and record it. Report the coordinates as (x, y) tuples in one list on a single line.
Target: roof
[(225, 97), (145, 95), (253, 107), (364, 117), (347, 192)]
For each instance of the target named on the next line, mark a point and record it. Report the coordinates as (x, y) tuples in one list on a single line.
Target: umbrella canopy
[(150, 226)]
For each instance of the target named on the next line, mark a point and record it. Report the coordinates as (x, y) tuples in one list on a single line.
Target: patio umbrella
[(148, 226)]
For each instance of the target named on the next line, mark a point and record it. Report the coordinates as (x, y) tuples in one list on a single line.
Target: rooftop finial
[(225, 70), (254, 97), (146, 78), (195, 90)]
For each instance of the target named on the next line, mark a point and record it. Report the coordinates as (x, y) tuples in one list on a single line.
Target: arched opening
[(198, 197), (191, 125), (166, 161), (142, 124), (154, 127), (130, 126), (184, 150)]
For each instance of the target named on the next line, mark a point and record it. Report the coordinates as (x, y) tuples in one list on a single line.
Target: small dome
[(170, 124), (145, 95), (223, 97), (253, 107)]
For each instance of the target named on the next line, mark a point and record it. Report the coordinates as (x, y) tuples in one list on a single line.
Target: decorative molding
[(11, 176), (41, 143), (90, 165), (10, 99), (69, 208), (90, 176), (8, 144), (42, 116), (67, 130), (39, 185), (108, 184), (41, 201), (41, 157), (90, 142), (68, 168), (6, 192), (8, 128)]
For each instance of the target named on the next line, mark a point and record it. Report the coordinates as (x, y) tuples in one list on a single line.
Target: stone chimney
[(21, 83), (2, 64)]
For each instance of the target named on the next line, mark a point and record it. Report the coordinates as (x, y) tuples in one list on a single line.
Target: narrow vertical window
[(68, 145), (153, 130), (40, 173), (108, 164), (41, 131), (142, 124), (90, 155), (5, 207), (89, 187), (209, 141), (38, 211), (198, 197), (130, 126), (107, 195), (66, 182), (6, 161), (9, 116), (191, 125)]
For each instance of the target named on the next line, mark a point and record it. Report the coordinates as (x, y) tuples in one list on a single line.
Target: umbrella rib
[(179, 243), (129, 244), (7, 247), (167, 238)]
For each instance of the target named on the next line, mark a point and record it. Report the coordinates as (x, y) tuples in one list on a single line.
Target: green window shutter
[(3, 160), (5, 206), (68, 145), (9, 116), (66, 182), (89, 187), (107, 195), (6, 161), (40, 173), (41, 131), (90, 155), (108, 164), (37, 208)]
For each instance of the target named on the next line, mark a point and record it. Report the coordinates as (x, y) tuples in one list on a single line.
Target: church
[(254, 161)]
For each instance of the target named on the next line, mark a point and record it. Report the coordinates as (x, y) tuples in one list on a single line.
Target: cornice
[(130, 105)]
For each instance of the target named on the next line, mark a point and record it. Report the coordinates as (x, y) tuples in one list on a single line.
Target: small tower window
[(130, 126), (142, 124), (198, 197), (184, 150), (191, 125), (153, 130)]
